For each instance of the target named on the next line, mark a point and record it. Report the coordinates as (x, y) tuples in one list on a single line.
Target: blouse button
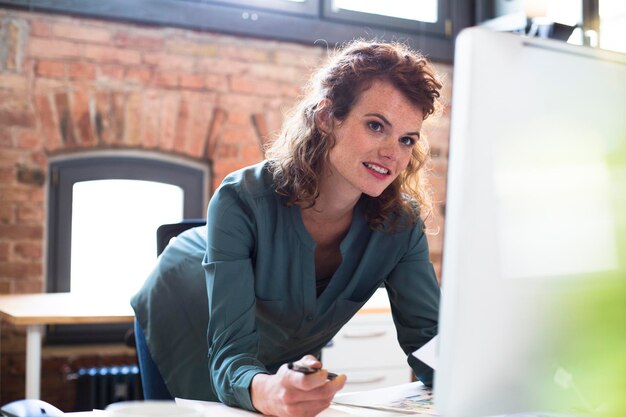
[(309, 317)]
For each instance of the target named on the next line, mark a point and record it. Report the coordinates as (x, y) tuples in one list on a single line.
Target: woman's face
[(374, 143)]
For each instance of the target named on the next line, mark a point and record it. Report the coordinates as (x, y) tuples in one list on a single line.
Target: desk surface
[(63, 308), (69, 308)]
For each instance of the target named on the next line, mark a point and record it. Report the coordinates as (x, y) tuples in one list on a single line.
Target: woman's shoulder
[(254, 180)]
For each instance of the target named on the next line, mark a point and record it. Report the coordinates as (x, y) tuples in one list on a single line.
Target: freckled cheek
[(404, 162)]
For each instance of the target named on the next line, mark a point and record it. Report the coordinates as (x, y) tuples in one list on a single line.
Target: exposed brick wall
[(73, 84)]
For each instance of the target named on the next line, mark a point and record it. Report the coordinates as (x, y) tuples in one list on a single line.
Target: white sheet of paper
[(211, 409), (411, 398), (428, 352)]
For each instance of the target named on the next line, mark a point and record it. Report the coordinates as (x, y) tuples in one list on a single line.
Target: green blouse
[(238, 297)]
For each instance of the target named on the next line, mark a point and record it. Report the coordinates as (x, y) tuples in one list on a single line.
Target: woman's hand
[(294, 394)]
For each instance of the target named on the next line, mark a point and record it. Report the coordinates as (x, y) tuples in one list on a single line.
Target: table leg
[(33, 360)]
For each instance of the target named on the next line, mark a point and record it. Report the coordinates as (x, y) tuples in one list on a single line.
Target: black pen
[(307, 370)]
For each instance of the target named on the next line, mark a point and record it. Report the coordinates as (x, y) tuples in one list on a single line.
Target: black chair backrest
[(166, 232)]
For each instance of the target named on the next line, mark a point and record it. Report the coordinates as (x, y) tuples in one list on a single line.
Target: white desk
[(38, 310)]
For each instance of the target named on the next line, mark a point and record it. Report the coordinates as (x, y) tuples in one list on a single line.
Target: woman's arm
[(414, 293), (232, 331)]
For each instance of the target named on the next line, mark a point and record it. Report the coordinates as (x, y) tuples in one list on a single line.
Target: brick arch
[(75, 118)]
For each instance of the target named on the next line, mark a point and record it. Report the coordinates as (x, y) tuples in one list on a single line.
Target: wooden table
[(35, 311)]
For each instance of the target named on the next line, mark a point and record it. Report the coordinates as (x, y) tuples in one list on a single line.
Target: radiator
[(98, 387)]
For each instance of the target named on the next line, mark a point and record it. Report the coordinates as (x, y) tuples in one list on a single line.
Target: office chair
[(166, 232), (153, 385)]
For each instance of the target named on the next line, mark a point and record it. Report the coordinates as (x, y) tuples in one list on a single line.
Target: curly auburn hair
[(299, 154)]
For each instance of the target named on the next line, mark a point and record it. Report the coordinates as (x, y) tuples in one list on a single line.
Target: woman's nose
[(388, 149)]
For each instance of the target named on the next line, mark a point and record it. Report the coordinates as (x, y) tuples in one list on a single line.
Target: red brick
[(40, 158), (250, 85), (40, 28), (20, 194), (81, 71), (241, 53), (199, 125), (28, 139), (5, 288), (282, 73), (12, 231), (5, 138), (28, 250), (20, 269), (169, 116), (81, 32), (215, 82), (242, 102), (66, 124), (7, 213), (13, 45), (221, 66), (304, 59), (251, 154), (81, 115), (165, 79), (118, 116), (188, 47), (132, 119), (192, 81), (102, 117), (128, 39), (51, 69), (111, 54), (7, 175), (141, 75), (53, 48), (49, 84), (5, 248), (112, 71), (13, 82), (49, 127), (182, 124), (10, 157), (30, 213), (29, 286), (10, 117), (150, 119), (226, 151), (164, 61), (238, 118), (223, 167)]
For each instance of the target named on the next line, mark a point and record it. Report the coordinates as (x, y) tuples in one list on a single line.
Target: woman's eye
[(375, 126), (407, 140)]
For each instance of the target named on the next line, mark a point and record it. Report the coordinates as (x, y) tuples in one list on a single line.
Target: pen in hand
[(307, 370)]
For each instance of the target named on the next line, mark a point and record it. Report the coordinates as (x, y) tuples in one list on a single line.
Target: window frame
[(306, 7), (64, 172), (294, 23), (355, 17)]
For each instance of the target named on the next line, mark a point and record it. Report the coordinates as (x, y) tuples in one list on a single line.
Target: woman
[(295, 245)]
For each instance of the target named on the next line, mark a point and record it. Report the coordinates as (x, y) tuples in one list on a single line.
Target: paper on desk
[(429, 352), (212, 409), (412, 398)]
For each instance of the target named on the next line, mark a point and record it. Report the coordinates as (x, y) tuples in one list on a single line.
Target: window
[(303, 7), (427, 25), (420, 16), (613, 25), (103, 215), (112, 232)]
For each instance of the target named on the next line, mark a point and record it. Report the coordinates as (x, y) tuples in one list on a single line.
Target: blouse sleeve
[(232, 331), (414, 297)]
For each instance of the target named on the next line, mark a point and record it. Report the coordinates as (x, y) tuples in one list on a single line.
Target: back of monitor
[(535, 218)]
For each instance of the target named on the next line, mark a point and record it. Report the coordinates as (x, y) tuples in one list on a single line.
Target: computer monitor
[(535, 221)]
